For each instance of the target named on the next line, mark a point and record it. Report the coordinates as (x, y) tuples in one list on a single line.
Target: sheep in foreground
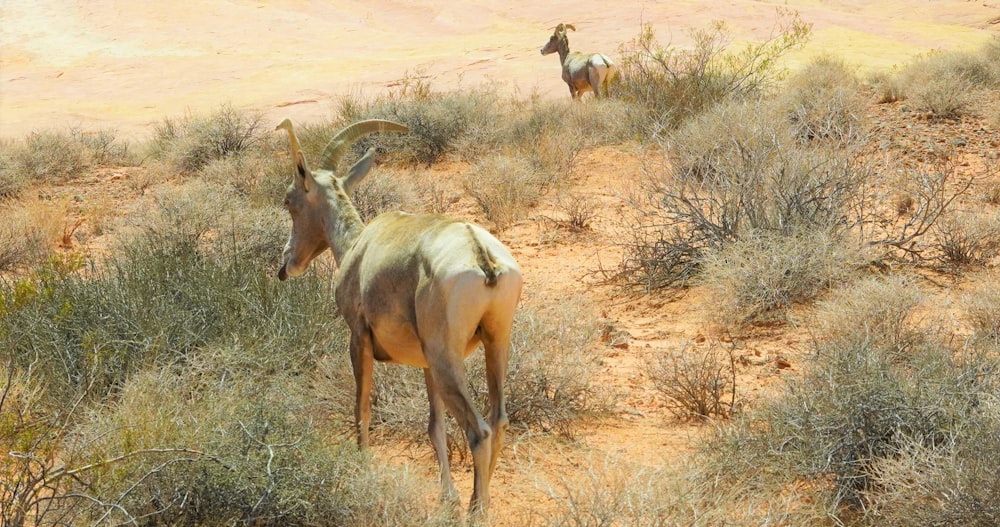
[(420, 290), (581, 71)]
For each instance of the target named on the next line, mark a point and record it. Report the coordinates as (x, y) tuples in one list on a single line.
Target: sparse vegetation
[(165, 378), (696, 383)]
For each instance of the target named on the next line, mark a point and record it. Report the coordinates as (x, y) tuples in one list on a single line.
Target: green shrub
[(159, 298)]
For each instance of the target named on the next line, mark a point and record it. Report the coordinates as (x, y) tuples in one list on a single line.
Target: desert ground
[(127, 65)]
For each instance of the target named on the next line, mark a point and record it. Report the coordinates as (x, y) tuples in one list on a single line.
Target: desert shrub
[(873, 390), (953, 483), (944, 84), (982, 310), (29, 231), (104, 148), (824, 101), (760, 277), (229, 437), (158, 298), (437, 121), (550, 382), (968, 238), (217, 221), (259, 176), (384, 191), (888, 86), (874, 312), (504, 188), (669, 84), (696, 383), (44, 155), (732, 173), (191, 142)]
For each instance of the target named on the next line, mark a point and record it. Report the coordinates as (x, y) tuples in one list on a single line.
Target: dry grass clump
[(29, 231), (504, 188), (969, 238), (760, 277), (192, 142), (824, 102)]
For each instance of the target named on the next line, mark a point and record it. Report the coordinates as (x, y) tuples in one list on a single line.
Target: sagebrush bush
[(760, 277), (824, 101), (230, 437), (669, 84), (504, 188), (192, 142), (969, 238), (873, 389), (732, 173)]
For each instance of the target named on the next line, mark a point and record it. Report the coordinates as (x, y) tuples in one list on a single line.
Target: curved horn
[(570, 26), (337, 146), (294, 141)]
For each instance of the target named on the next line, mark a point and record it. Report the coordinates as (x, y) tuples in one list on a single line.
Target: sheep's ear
[(303, 176), (358, 171), (571, 27)]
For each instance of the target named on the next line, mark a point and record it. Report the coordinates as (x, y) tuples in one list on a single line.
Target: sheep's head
[(557, 38), (319, 202)]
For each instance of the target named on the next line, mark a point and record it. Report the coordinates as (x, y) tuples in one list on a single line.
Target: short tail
[(483, 259)]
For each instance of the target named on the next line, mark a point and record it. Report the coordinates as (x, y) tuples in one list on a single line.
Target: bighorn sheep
[(580, 71), (417, 289)]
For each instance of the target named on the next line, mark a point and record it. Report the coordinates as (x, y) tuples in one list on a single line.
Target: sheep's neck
[(343, 226), (563, 50)]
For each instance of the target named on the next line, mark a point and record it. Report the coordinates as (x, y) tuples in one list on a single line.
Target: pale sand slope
[(105, 63)]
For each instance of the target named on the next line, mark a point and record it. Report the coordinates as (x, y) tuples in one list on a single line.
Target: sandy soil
[(124, 65)]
